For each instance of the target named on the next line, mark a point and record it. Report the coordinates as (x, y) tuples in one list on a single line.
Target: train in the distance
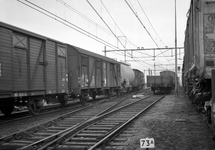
[(162, 83), (199, 57), (35, 69)]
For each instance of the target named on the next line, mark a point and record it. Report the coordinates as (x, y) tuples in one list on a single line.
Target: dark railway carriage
[(138, 81), (170, 74), (199, 57), (160, 84), (91, 74), (32, 69)]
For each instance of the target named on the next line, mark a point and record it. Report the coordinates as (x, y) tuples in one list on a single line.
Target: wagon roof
[(137, 70), (168, 71), (89, 53)]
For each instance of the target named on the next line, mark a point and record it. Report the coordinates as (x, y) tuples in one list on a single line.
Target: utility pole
[(176, 79)]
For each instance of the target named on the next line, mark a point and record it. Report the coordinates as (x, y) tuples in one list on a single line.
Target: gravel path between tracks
[(174, 124)]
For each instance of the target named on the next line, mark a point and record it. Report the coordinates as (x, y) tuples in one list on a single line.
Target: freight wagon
[(33, 69), (91, 74), (139, 80), (169, 74), (199, 58), (160, 84)]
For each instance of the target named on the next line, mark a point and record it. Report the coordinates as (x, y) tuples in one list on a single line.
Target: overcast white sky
[(131, 32)]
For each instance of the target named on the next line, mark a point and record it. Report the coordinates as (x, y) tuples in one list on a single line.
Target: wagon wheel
[(35, 105), (63, 99), (7, 110)]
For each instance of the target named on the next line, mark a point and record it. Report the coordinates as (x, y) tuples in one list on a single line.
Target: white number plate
[(147, 143)]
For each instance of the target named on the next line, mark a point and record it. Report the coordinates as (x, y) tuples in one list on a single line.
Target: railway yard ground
[(174, 124)]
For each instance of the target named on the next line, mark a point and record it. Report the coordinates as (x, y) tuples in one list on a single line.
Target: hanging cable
[(104, 22), (144, 27), (61, 20), (150, 22)]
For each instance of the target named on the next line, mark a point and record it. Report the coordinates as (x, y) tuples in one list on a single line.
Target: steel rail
[(67, 135), (46, 110), (33, 145), (117, 130)]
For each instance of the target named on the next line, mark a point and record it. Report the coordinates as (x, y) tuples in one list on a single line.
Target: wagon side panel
[(5, 61), (51, 67), (111, 75), (115, 73), (20, 51), (104, 74), (92, 76), (74, 69), (62, 68), (98, 73), (109, 84), (37, 49)]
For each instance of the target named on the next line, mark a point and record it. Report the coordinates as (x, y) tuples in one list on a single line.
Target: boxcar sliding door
[(84, 72), (98, 74)]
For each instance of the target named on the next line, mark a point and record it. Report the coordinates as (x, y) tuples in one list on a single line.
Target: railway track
[(25, 114), (98, 131), (61, 128), (53, 129)]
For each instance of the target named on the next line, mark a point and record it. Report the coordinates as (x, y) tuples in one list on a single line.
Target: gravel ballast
[(174, 124)]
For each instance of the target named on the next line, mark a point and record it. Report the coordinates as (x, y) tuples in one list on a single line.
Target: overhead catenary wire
[(63, 21), (149, 21), (55, 17), (90, 20), (153, 29), (113, 21), (144, 26), (85, 17), (104, 22), (121, 32), (151, 26), (67, 23), (116, 24)]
